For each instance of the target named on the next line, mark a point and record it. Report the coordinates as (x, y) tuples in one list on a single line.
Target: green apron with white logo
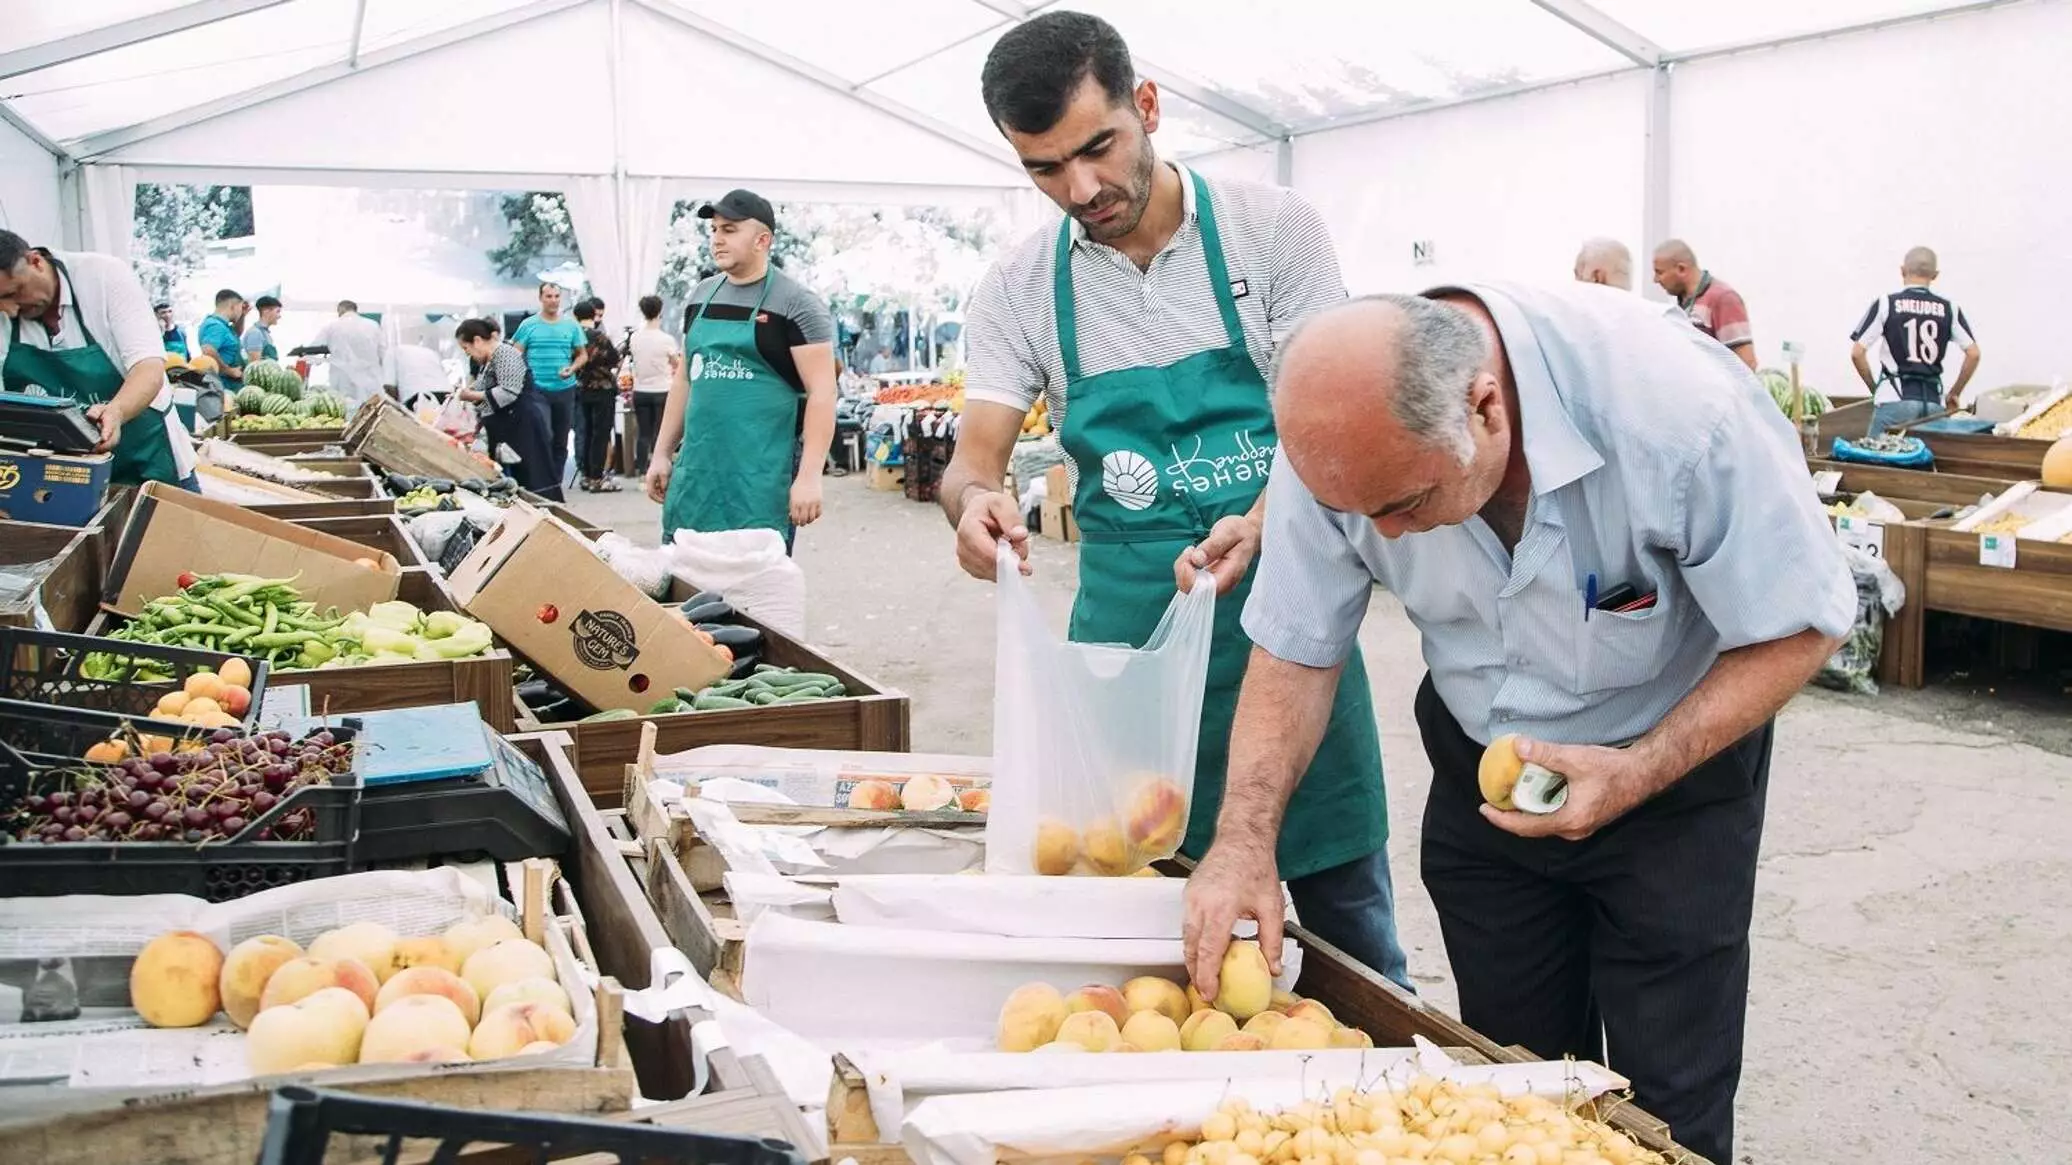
[(88, 375), (1163, 453), (734, 468)]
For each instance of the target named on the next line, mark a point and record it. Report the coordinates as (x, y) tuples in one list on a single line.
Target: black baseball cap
[(742, 205)]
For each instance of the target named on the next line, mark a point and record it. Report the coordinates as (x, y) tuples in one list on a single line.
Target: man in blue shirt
[(1603, 531), (219, 336), (258, 340), (555, 349)]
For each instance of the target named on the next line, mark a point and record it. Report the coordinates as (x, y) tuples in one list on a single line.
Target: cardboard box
[(1059, 523), (1057, 483), (540, 587), (888, 478), (171, 531), (53, 488)]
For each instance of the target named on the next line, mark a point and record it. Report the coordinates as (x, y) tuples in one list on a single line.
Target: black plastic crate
[(45, 667), (300, 1123), (217, 871)]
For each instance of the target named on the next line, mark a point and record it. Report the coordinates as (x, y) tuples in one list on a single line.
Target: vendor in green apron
[(1147, 320), (79, 325), (754, 405)]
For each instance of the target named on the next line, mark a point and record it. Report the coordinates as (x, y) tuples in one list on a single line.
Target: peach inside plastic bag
[(1093, 744)]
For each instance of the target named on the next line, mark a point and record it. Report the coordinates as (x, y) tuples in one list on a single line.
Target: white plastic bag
[(456, 418), (751, 569), (642, 566), (1093, 745)]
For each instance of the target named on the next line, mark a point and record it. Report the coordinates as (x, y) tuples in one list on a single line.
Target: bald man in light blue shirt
[(1606, 536)]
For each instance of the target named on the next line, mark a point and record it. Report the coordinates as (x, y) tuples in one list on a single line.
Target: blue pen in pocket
[(1589, 595)]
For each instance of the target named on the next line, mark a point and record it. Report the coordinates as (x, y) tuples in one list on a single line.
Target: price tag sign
[(1862, 533), (1794, 352), (284, 706), (1996, 550), (1826, 482)]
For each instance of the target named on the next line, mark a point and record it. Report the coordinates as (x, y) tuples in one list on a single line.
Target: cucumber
[(716, 611), (702, 598), (707, 702), (762, 696), (733, 638), (665, 707), (799, 698)]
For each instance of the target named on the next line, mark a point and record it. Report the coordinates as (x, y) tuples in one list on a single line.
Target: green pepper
[(279, 639), (190, 630), (235, 613)]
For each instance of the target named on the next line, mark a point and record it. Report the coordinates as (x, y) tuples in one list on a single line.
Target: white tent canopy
[(1495, 132)]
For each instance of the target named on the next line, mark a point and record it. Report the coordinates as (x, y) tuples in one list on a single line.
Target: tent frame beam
[(768, 54), (179, 18), (8, 115), (352, 55), (1587, 19), (1198, 92), (102, 144)]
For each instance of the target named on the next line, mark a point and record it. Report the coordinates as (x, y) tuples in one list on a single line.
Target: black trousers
[(1632, 942), (647, 417), (598, 412), (561, 418)]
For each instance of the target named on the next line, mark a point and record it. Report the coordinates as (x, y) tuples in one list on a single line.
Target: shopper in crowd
[(1607, 262), (219, 338), (171, 335), (357, 353), (1914, 329), (512, 409), (258, 339), (1714, 308), (883, 362), (418, 372), (744, 438), (657, 358), (79, 325), (1166, 416), (1583, 509), (554, 348), (597, 401)]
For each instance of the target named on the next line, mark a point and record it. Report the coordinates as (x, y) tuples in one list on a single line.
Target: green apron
[(1210, 418), (735, 466), (87, 375)]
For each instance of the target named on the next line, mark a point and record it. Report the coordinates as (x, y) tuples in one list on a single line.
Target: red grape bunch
[(207, 794)]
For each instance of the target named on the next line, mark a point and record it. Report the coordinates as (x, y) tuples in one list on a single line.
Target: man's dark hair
[(474, 330), (651, 307), (586, 311), (161, 306), (1033, 71), (265, 301), (13, 249), (597, 304), (347, 305), (227, 296)]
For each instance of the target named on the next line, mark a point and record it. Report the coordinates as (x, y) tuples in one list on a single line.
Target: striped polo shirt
[(1282, 268)]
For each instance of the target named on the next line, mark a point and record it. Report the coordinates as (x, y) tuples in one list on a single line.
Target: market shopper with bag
[(1601, 527), (597, 399), (79, 325), (755, 410), (513, 411), (1148, 320)]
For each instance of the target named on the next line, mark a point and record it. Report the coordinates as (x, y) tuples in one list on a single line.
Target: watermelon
[(1779, 385), (274, 404), (330, 404), (304, 407), (274, 377), (250, 398)]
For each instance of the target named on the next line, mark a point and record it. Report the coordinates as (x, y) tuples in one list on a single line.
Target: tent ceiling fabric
[(866, 89)]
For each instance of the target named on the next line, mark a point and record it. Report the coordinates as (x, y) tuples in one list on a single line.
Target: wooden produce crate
[(388, 435), (68, 574), (378, 531), (336, 508), (224, 1124), (485, 679), (1985, 455), (1358, 997), (282, 442), (871, 719), (1912, 485)]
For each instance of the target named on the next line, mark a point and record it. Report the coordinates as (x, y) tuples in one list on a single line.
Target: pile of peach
[(1150, 1014), (1153, 822), (925, 793), (361, 995)]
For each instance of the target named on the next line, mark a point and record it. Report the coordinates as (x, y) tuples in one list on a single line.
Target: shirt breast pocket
[(1615, 651)]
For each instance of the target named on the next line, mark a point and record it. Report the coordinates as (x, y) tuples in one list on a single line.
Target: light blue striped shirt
[(1657, 460)]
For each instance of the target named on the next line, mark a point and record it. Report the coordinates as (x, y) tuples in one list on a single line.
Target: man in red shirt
[(1714, 308)]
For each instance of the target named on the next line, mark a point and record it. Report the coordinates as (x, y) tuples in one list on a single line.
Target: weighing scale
[(57, 424), (440, 783)]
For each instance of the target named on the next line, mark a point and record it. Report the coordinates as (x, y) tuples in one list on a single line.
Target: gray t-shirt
[(792, 317)]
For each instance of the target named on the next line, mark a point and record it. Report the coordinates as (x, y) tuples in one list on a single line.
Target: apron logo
[(720, 368), (1129, 478), (1248, 461), (604, 640), (10, 475), (697, 365)]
